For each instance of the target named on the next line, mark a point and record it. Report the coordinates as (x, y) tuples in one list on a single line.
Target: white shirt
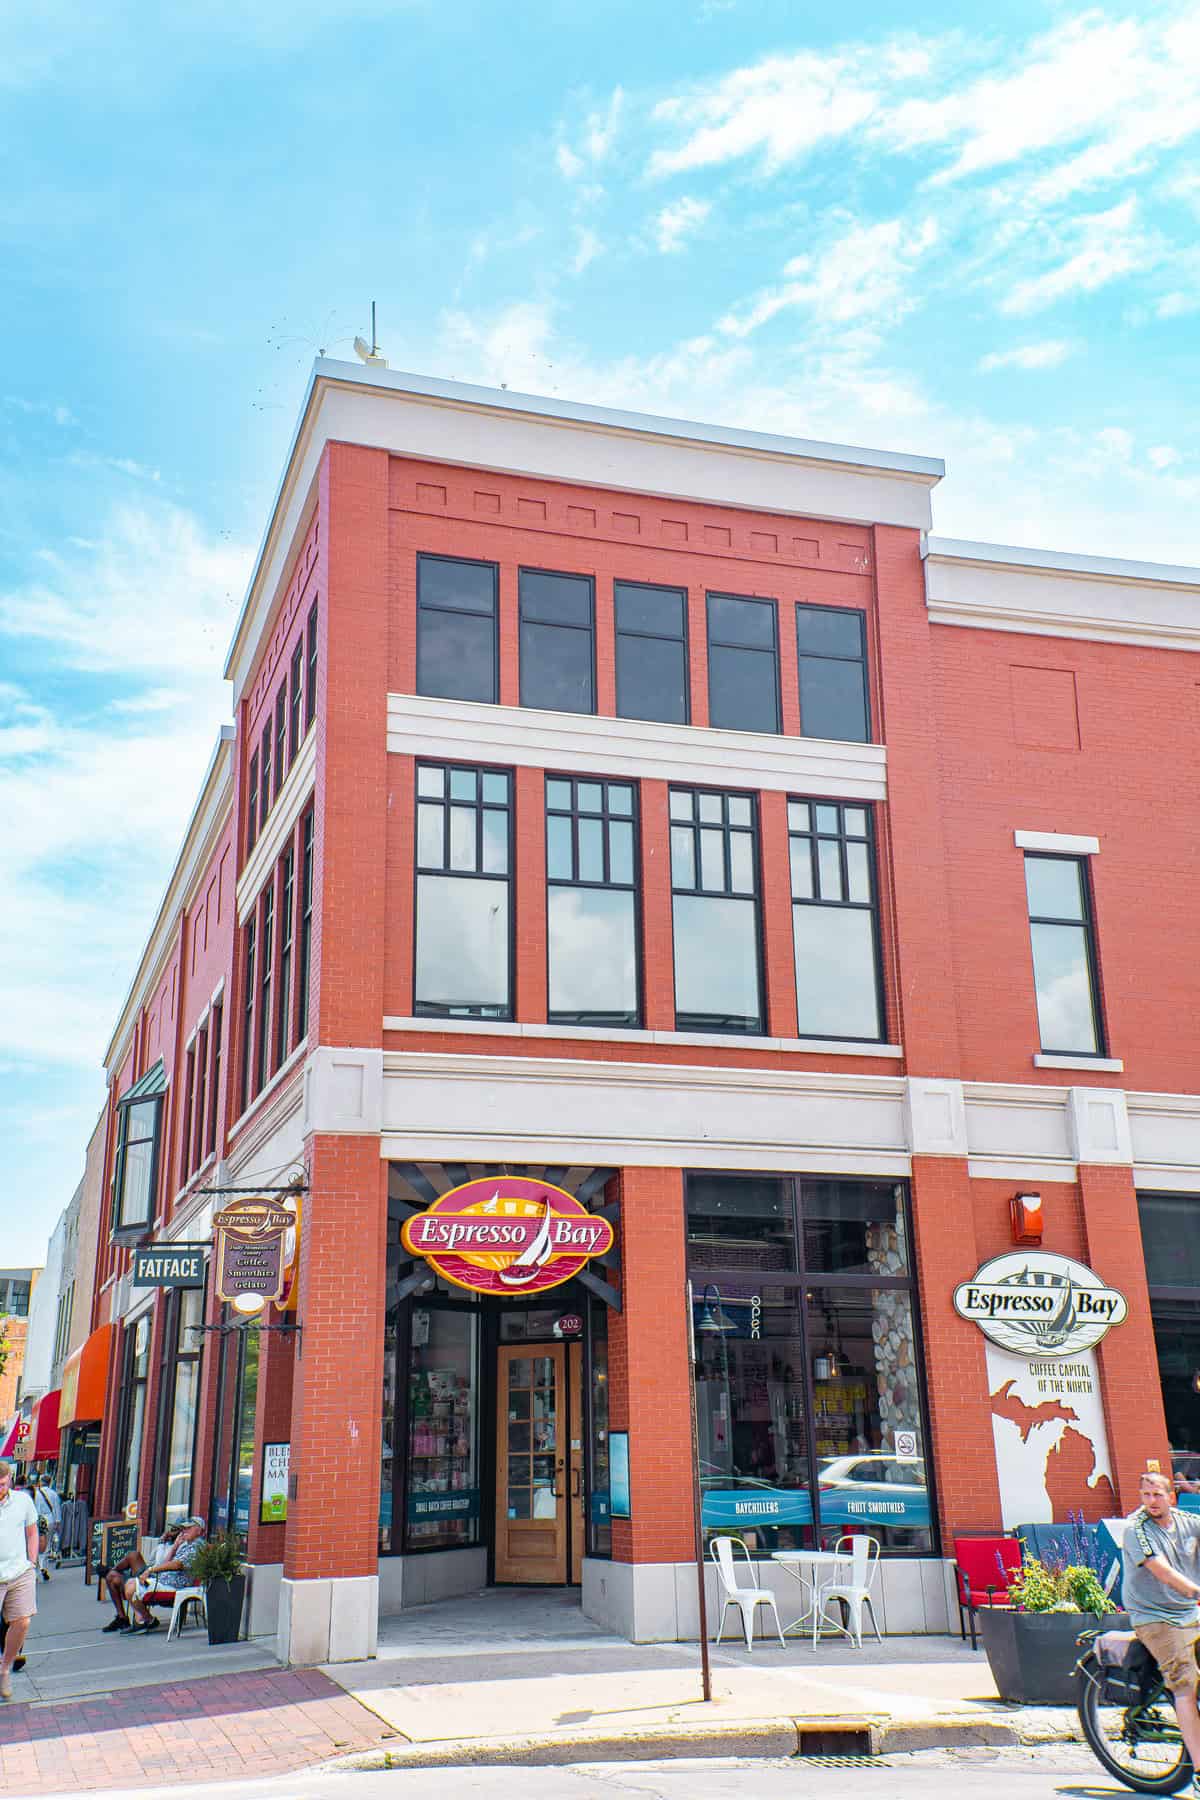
[(16, 1512)]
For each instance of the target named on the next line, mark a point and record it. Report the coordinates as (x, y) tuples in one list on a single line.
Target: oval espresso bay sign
[(507, 1235), (1038, 1304)]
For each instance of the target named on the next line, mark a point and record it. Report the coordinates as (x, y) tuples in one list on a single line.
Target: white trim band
[(1105, 1065), (1061, 843), (602, 1034)]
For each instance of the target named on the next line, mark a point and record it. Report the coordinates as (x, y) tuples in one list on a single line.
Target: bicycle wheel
[(1140, 1745)]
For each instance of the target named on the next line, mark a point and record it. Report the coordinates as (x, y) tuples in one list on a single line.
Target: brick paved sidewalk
[(270, 1722)]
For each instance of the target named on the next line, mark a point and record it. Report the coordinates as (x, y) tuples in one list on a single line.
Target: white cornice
[(604, 1034), (996, 587), (207, 820), (558, 440), (583, 743), (298, 784)]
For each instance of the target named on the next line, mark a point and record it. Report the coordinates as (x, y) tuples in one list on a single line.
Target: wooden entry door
[(531, 1463), (575, 1372)]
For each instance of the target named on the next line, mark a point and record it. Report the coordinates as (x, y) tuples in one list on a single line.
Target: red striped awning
[(45, 1426)]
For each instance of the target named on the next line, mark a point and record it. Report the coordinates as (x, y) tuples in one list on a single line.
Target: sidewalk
[(519, 1675), (95, 1711)]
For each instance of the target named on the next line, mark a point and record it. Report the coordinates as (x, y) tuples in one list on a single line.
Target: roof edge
[(1060, 562)]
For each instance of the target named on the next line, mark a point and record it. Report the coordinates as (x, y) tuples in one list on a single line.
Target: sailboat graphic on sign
[(518, 1274)]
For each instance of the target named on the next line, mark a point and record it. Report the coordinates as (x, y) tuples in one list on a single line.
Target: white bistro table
[(807, 1568)]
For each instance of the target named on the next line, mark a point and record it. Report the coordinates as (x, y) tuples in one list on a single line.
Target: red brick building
[(657, 813)]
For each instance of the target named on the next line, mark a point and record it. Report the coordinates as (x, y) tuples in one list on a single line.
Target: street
[(1030, 1774)]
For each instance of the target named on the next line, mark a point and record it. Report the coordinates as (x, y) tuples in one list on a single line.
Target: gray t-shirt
[(1177, 1541)]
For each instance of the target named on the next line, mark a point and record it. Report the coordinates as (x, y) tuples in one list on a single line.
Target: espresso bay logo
[(507, 1235), (1037, 1304)]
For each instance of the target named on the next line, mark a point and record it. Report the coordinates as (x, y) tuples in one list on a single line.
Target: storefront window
[(133, 1389), (809, 1407), (599, 1535), (1173, 1274), (443, 1502), (248, 1402), (181, 1386)]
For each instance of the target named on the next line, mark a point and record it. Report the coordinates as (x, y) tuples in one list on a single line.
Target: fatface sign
[(1036, 1304), (507, 1235), (169, 1265), (250, 1259)]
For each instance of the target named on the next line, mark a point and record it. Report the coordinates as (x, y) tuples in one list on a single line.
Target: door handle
[(576, 1485), (558, 1469)]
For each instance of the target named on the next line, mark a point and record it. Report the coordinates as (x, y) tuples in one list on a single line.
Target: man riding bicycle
[(1161, 1587)]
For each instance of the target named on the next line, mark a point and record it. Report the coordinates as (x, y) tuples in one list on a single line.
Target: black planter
[(1032, 1656), (223, 1603)]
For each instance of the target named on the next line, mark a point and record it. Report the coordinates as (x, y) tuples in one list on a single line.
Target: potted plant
[(1030, 1642), (217, 1567)]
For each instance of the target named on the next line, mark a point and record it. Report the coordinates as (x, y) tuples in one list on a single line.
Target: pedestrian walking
[(49, 1511), (18, 1571)]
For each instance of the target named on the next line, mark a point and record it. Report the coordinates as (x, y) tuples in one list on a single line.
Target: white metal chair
[(855, 1593), (746, 1599), (185, 1597)]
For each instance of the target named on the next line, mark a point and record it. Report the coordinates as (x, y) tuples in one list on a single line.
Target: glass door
[(531, 1465)]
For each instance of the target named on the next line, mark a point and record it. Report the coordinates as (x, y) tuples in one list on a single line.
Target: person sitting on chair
[(159, 1585), (129, 1568)]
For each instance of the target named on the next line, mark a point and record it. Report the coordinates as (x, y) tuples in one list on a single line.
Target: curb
[(866, 1735)]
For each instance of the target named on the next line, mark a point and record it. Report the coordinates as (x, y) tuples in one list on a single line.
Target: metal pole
[(697, 1502)]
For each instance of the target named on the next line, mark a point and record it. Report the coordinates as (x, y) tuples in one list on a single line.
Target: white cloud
[(58, 414), (570, 166), (595, 139), (1162, 456), (863, 274), (679, 220), (587, 249), (1108, 246), (1046, 355)]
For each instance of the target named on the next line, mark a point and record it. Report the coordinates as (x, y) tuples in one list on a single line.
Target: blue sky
[(981, 245)]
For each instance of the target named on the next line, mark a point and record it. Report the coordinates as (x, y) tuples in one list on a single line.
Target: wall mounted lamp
[(1026, 1218)]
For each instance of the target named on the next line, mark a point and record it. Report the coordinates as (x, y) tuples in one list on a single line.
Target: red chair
[(983, 1567)]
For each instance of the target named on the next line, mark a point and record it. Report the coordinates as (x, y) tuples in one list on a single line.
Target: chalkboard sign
[(110, 1540)]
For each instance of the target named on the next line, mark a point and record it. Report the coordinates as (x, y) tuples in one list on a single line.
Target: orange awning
[(45, 1426), (85, 1380)]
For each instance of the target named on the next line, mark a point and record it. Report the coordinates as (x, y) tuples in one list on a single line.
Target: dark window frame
[(252, 805), (803, 608), (169, 1362), (218, 1019), (427, 1009), (303, 971), (633, 886), (588, 712), (266, 984), (800, 1280), (296, 700), (720, 644), (125, 1230), (249, 998), (429, 556), (201, 1096), (281, 734), (310, 672), (189, 1101), (1087, 925), (728, 892), (658, 637), (814, 836), (287, 932), (264, 774), (127, 1409)]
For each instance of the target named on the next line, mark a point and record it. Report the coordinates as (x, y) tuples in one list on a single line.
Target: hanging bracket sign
[(507, 1234), (250, 1252), (1037, 1304)]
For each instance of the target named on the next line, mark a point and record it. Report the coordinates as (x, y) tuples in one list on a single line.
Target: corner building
[(659, 812)]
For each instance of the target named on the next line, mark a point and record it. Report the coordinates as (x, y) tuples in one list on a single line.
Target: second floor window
[(135, 1166), (296, 701), (831, 642), (306, 917), (1064, 955), (833, 920), (652, 657), (287, 896), (252, 804), (557, 661), (281, 716), (714, 887), (266, 966), (743, 664), (591, 902), (264, 777), (463, 912), (456, 629)]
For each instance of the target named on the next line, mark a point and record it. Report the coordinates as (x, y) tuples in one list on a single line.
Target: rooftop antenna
[(370, 354)]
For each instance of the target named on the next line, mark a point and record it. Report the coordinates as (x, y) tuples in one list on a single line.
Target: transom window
[(714, 887), (591, 872), (463, 915), (557, 630), (456, 629), (743, 664), (831, 643), (834, 921), (1064, 955)]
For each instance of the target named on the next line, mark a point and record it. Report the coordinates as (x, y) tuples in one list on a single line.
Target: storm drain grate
[(843, 1762), (834, 1740)]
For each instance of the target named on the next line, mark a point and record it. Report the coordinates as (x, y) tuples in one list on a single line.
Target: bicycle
[(1128, 1718)]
